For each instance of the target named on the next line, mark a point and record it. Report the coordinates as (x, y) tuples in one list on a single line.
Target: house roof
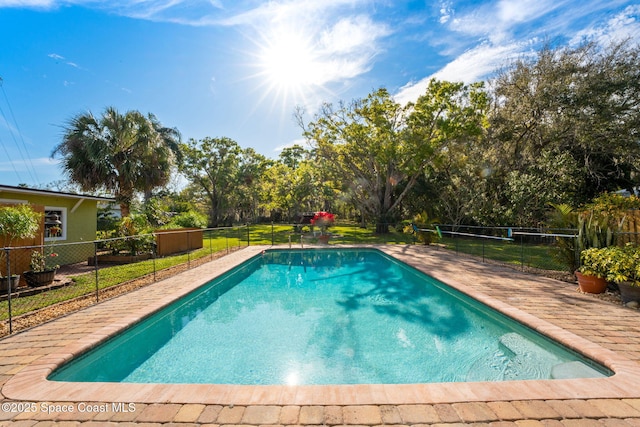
[(25, 190)]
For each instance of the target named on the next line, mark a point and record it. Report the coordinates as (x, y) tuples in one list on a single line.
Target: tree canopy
[(380, 149), (564, 128), (119, 153), (557, 127)]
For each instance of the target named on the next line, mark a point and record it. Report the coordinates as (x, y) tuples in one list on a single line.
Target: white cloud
[(306, 49), (40, 4), (473, 65), (496, 21), (28, 164), (300, 141), (188, 12), (345, 50), (446, 11), (510, 12), (60, 58), (623, 25), (288, 11), (349, 34), (494, 26)]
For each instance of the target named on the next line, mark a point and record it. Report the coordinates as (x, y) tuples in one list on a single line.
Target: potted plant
[(591, 275), (624, 270), (323, 220), (598, 225), (40, 274), (16, 222)]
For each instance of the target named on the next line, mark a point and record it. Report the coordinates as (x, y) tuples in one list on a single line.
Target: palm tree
[(163, 151), (119, 153)]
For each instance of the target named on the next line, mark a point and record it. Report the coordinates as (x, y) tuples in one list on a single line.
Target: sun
[(290, 64)]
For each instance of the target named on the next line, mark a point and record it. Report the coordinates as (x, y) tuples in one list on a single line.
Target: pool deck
[(601, 330)]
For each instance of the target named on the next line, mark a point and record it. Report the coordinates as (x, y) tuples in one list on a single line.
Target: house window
[(55, 223)]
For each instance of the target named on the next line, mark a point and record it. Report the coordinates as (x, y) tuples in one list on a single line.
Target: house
[(67, 218)]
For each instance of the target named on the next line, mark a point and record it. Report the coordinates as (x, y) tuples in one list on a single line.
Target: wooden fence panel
[(21, 258), (178, 240), (630, 228)]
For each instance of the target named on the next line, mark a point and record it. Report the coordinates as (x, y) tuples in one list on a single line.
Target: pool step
[(517, 345), (517, 357), (521, 346), (574, 370), (526, 358)]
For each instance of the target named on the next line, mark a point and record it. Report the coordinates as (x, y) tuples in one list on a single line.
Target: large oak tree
[(381, 148)]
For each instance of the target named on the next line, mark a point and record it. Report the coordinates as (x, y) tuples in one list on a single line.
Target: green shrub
[(189, 219)]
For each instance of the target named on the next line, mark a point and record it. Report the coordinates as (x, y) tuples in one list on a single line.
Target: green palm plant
[(598, 225), (119, 153), (566, 249)]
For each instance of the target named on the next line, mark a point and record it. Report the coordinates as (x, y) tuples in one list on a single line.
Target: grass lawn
[(538, 256), (85, 283), (345, 233), (222, 239)]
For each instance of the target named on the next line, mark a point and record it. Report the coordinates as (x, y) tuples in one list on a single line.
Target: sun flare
[(289, 64)]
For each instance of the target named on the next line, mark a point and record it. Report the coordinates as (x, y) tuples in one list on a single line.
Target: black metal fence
[(86, 273), (538, 248), (43, 282)]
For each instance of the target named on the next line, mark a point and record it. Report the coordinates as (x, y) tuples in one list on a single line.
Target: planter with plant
[(132, 241), (40, 274), (592, 274), (323, 220), (16, 223), (595, 225), (624, 270)]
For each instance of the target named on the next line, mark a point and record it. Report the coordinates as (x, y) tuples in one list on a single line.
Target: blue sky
[(238, 68)]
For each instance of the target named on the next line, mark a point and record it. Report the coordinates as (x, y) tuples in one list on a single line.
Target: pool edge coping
[(31, 383)]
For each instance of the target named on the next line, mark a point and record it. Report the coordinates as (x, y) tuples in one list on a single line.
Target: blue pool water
[(326, 317)]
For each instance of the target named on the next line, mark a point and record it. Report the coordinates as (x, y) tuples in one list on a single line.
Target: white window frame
[(63, 220)]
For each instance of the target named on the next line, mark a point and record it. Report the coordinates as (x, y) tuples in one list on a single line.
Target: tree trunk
[(124, 209), (382, 227)]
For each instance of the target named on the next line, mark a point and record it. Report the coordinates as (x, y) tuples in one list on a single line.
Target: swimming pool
[(326, 317)]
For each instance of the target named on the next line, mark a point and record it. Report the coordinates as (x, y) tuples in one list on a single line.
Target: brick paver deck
[(604, 331)]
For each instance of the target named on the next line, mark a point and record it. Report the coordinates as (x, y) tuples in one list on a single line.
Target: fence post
[(576, 244), (522, 252), (95, 265), (272, 241), (8, 255), (154, 252), (188, 250), (248, 238), (226, 236), (210, 245)]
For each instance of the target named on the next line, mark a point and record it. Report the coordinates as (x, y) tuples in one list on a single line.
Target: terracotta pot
[(591, 284), (629, 292)]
